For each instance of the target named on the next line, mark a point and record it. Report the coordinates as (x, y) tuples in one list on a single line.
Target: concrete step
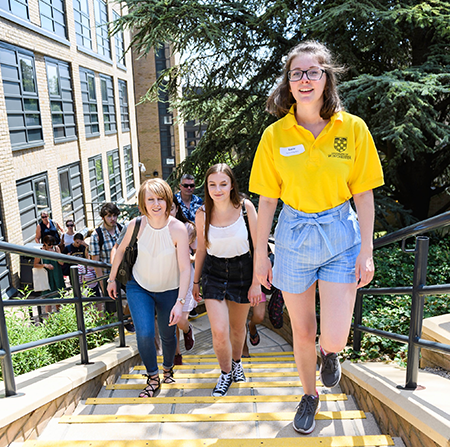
[(258, 412)]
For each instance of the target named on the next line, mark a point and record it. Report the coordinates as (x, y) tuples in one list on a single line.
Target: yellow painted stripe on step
[(206, 399), (181, 376), (213, 360), (332, 441), (216, 365), (203, 385), (203, 417), (256, 354)]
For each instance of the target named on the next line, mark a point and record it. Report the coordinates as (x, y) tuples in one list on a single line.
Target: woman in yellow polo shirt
[(315, 158)]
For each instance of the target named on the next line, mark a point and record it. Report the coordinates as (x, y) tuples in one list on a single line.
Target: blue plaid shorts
[(312, 246)]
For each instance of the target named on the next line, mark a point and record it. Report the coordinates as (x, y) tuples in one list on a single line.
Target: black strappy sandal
[(168, 376), (153, 388)]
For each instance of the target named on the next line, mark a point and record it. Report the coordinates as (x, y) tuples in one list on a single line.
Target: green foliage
[(394, 268), (21, 330), (398, 59)]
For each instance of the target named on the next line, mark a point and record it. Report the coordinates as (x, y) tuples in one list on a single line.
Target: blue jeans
[(142, 307)]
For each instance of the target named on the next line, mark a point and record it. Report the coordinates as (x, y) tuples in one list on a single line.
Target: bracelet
[(198, 282), (109, 281)]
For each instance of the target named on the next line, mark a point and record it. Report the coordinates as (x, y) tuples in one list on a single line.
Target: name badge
[(292, 150)]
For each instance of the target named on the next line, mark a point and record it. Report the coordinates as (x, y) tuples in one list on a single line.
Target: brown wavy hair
[(209, 202), (159, 188), (281, 100)]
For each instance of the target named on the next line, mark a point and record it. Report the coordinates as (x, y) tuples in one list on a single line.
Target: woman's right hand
[(49, 266), (196, 292), (263, 270), (112, 289)]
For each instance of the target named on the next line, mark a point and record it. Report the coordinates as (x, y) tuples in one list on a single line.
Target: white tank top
[(156, 268), (228, 242)]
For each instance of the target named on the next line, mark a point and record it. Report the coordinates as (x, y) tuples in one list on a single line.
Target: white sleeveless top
[(230, 241), (156, 268)]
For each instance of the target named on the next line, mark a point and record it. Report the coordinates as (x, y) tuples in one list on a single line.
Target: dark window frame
[(115, 176), (82, 23), (90, 105), (62, 104), (129, 170), (29, 100), (14, 4), (58, 23), (124, 107), (97, 186), (101, 26), (108, 105), (73, 171)]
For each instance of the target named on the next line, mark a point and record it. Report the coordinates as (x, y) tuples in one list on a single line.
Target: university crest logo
[(340, 144)]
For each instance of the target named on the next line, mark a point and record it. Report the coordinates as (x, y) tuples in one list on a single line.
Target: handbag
[(265, 290), (125, 269), (40, 280), (275, 309)]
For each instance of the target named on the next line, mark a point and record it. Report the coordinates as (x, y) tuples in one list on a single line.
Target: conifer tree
[(231, 52)]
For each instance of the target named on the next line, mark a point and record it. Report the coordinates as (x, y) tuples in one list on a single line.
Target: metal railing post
[(6, 360), (74, 279), (357, 321), (119, 306), (417, 303)]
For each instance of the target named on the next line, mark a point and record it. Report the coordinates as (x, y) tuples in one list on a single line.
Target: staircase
[(256, 413)]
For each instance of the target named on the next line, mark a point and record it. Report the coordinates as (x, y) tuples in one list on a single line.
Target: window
[(72, 198), (97, 185), (5, 275), (115, 181), (33, 196), (101, 25), (129, 171), (109, 109), (119, 43), (21, 97), (89, 97), (82, 23), (123, 100), (53, 16), (61, 100), (17, 7)]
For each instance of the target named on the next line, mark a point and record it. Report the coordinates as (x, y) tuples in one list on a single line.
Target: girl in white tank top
[(160, 280), (225, 266)]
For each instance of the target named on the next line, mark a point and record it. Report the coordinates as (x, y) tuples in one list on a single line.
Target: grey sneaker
[(304, 419), (238, 372), (330, 369), (224, 382)]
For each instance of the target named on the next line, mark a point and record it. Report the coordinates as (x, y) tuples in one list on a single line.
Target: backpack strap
[(245, 215)]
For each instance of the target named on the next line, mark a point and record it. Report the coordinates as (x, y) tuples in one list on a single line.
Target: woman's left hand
[(175, 314), (364, 269), (254, 294)]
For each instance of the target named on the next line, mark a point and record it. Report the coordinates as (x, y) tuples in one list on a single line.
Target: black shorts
[(227, 278)]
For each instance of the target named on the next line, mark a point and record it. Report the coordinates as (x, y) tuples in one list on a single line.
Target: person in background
[(225, 266), (258, 313), (160, 279), (49, 227), (189, 204), (184, 325), (315, 158), (54, 269)]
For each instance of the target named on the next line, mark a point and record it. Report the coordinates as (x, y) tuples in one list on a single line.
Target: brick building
[(68, 131)]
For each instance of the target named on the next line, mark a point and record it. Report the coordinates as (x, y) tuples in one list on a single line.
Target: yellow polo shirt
[(316, 174)]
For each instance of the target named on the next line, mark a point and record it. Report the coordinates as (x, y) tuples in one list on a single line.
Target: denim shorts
[(227, 278), (312, 246)]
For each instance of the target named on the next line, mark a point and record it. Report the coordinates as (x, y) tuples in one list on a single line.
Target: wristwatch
[(110, 280), (181, 300)]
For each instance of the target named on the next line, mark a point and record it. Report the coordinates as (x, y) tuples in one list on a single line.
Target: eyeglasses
[(44, 217), (313, 74), (187, 185), (70, 225)]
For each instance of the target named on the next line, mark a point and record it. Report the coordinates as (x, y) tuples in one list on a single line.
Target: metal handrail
[(6, 350), (418, 291)]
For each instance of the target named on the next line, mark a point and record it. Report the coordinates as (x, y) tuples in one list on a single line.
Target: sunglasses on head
[(186, 185)]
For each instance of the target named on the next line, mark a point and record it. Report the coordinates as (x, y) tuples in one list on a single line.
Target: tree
[(398, 79)]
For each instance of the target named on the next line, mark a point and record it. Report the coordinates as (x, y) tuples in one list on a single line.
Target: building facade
[(68, 132)]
